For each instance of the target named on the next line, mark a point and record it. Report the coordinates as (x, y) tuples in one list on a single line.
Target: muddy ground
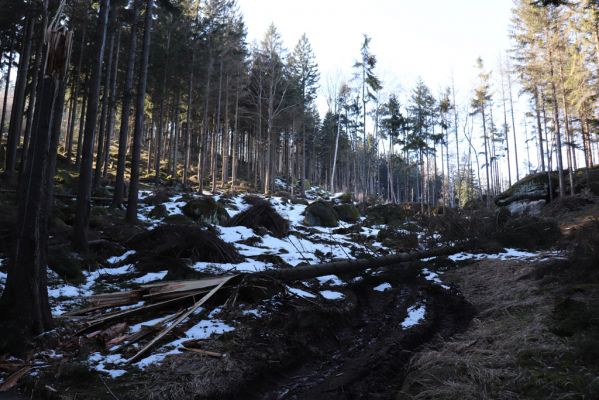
[(300, 348)]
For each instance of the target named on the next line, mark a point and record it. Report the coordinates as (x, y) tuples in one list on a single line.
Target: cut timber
[(166, 330), (126, 313), (354, 266), (181, 286)]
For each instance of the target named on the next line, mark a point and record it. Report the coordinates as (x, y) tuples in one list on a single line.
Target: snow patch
[(433, 277), (150, 277), (415, 315), (382, 287), (301, 293), (332, 280), (330, 295)]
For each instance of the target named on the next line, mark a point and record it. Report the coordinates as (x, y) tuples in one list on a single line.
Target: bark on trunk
[(119, 187), (80, 228), (139, 117)]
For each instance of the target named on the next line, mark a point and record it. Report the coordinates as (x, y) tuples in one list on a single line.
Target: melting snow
[(117, 259), (415, 315), (330, 295), (300, 292), (382, 287), (509, 254), (332, 280), (150, 277), (434, 277)]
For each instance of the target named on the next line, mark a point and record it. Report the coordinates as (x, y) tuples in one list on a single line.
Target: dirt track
[(304, 351)]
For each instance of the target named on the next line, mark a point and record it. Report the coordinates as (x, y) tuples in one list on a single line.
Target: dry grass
[(497, 358)]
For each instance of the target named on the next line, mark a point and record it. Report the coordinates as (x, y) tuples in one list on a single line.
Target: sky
[(432, 39), (436, 40)]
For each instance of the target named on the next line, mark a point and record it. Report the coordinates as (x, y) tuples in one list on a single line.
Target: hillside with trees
[(186, 214)]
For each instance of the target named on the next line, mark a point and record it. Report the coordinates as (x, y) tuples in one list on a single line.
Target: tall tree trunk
[(539, 127), (558, 136), (505, 131), (234, 153), (36, 70), (18, 103), (226, 138), (80, 228), (188, 123), (160, 133), (75, 95), (111, 107), (82, 123), (6, 87), (105, 99), (335, 152), (509, 83), (204, 137), (139, 116), (119, 187), (486, 139), (457, 144)]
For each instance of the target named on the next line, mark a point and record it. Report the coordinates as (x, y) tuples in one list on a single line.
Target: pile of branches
[(172, 242), (262, 215)]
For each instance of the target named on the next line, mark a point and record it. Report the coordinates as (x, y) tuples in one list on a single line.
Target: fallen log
[(354, 266)]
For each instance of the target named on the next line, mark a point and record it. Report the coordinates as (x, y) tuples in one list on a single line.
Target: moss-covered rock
[(178, 219), (69, 266), (321, 213), (158, 198), (299, 200), (531, 188), (345, 198), (347, 212), (385, 214), (158, 211), (206, 210)]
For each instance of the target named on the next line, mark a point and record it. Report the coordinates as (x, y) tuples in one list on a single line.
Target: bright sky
[(411, 38), (431, 39)]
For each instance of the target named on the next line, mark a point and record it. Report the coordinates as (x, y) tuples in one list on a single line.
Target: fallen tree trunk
[(354, 266)]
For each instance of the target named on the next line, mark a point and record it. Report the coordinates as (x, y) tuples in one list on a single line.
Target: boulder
[(206, 210), (526, 207), (347, 213), (529, 189), (321, 213), (158, 212)]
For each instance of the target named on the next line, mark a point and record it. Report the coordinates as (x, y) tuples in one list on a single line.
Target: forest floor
[(496, 324)]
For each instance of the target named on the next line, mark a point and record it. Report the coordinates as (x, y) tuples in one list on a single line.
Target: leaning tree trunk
[(139, 116), (80, 227)]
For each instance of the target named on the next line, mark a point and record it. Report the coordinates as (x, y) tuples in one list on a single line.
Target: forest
[(186, 214)]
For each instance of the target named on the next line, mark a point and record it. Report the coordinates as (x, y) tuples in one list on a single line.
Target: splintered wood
[(106, 308)]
